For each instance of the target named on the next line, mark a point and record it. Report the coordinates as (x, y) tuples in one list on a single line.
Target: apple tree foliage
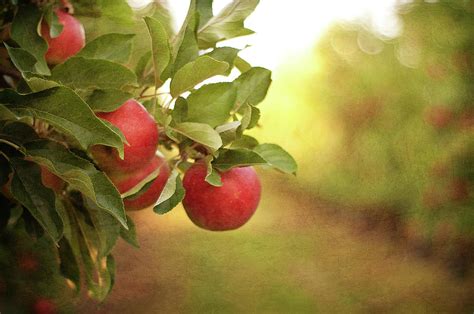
[(48, 121), (404, 118)]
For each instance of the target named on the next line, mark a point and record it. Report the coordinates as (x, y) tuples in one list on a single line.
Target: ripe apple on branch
[(68, 42), (86, 134)]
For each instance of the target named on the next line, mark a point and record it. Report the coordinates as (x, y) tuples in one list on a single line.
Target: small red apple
[(438, 116), (141, 132), (436, 71), (44, 306), (458, 190), (124, 182), (28, 263), (50, 180), (221, 208), (69, 42)]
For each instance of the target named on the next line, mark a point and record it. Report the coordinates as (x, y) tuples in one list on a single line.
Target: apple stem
[(68, 6)]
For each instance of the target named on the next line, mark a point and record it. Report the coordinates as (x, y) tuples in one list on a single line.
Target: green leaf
[(161, 11), (229, 132), (277, 157), (242, 65), (245, 141), (98, 278), (172, 194), (161, 116), (185, 47), (55, 27), (130, 235), (252, 86), (195, 72), (212, 176), (255, 117), (250, 117), (32, 227), (226, 54), (229, 126), (161, 51), (142, 70), (170, 187), (23, 60), (17, 132), (113, 47), (80, 174), (102, 228), (6, 114), (200, 133), (37, 84), (117, 11), (92, 234), (71, 227), (227, 24), (246, 111), (204, 8), (111, 270), (107, 99), (65, 110), (81, 73), (27, 189), (180, 110), (24, 33), (143, 186), (211, 104), (69, 266), (231, 158)]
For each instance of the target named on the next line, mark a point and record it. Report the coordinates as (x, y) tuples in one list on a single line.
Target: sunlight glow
[(285, 29)]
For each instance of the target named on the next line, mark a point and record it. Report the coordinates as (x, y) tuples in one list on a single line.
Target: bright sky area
[(285, 29)]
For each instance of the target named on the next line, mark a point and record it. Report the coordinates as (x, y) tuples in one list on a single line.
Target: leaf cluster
[(48, 121)]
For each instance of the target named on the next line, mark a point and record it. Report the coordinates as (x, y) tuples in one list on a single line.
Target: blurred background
[(375, 101)]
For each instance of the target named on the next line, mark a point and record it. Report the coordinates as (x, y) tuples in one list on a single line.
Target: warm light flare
[(284, 31)]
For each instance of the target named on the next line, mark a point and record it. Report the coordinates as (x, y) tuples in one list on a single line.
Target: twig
[(153, 95)]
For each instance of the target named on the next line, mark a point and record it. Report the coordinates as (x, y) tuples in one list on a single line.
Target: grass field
[(290, 258)]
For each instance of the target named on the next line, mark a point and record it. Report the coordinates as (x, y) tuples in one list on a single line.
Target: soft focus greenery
[(382, 124)]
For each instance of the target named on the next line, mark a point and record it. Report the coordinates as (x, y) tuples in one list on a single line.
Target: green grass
[(289, 258)]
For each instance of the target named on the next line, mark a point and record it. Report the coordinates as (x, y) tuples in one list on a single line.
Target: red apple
[(69, 42), (50, 180), (44, 306), (141, 132), (436, 71), (438, 116), (124, 182), (458, 190), (28, 263), (221, 208)]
